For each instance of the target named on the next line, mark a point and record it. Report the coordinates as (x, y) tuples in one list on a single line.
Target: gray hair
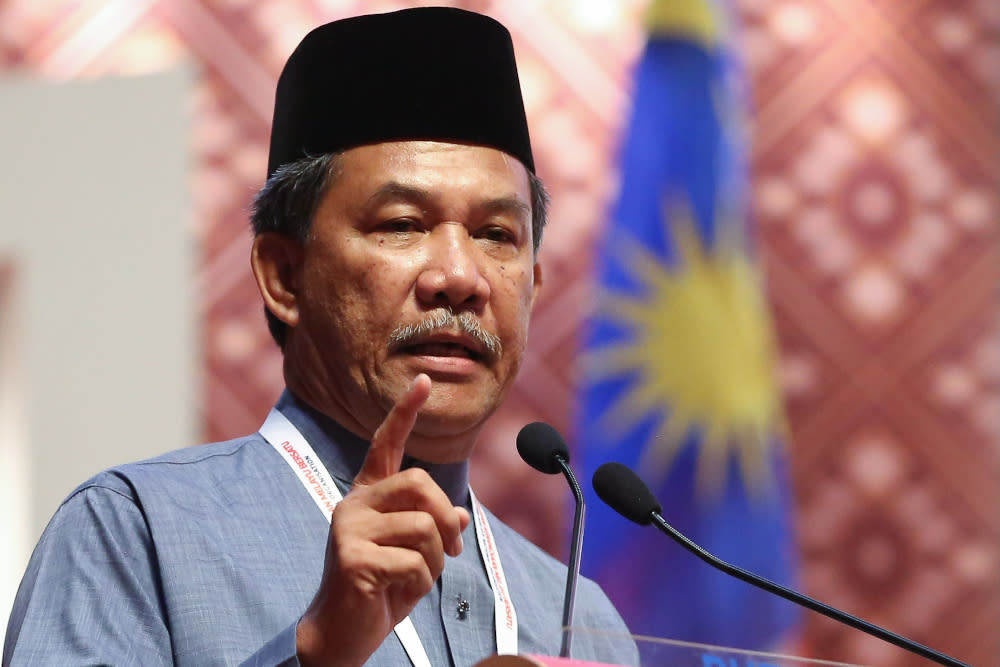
[(288, 202), (442, 320)]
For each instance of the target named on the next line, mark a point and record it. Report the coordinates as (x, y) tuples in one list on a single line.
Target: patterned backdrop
[(876, 161)]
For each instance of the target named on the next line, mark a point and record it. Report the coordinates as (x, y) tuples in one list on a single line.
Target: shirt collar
[(343, 453)]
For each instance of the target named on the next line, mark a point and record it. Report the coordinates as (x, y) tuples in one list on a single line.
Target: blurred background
[(820, 241)]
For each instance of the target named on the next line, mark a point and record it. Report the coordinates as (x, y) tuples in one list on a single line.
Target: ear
[(537, 286), (276, 261)]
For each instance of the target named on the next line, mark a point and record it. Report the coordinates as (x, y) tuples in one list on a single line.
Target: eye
[(497, 234), (400, 225)]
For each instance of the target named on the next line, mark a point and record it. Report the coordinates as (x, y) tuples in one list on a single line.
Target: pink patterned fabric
[(876, 160)]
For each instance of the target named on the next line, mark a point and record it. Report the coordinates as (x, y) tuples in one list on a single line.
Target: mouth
[(445, 345), (442, 349)]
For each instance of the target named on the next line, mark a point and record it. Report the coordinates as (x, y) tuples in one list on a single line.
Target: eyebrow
[(396, 191), (508, 205)]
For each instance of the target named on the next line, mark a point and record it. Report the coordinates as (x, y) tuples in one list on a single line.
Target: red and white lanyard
[(299, 455)]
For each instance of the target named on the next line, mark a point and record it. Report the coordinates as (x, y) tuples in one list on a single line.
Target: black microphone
[(626, 494), (544, 449)]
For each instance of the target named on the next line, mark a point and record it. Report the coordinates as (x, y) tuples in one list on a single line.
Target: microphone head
[(625, 493), (541, 447)]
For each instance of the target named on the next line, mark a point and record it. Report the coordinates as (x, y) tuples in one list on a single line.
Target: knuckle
[(379, 433), (347, 518), (420, 581), (415, 476), (352, 558), (424, 524)]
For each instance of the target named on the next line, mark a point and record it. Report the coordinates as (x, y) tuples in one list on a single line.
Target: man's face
[(409, 235)]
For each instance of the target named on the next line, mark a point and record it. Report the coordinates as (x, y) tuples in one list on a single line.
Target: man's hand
[(386, 547)]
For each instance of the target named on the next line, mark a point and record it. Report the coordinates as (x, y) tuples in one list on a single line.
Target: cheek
[(522, 283), (359, 273), (375, 292), (515, 292), (340, 294)]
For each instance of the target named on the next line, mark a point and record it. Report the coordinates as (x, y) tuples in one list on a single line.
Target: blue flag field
[(678, 364)]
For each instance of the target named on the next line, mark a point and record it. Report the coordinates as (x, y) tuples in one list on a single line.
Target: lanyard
[(300, 457)]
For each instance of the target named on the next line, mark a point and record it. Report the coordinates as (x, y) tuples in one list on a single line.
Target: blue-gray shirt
[(209, 555)]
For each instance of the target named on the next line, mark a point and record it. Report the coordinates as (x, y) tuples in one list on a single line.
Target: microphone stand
[(573, 573), (803, 600)]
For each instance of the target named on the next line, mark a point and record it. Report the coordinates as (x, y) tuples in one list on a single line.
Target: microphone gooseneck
[(544, 449), (623, 491)]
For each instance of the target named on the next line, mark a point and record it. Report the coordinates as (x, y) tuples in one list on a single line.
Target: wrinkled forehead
[(432, 174)]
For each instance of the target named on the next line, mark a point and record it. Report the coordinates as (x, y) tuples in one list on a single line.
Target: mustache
[(445, 319)]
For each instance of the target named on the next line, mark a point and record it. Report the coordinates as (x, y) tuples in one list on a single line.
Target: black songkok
[(433, 73)]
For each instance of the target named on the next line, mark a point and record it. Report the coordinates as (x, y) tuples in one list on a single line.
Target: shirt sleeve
[(91, 593), (279, 652)]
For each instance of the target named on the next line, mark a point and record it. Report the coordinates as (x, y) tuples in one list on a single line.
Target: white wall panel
[(98, 355)]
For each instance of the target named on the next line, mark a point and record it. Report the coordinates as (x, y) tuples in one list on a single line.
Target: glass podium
[(658, 652)]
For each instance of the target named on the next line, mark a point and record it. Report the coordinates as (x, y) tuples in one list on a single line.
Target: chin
[(447, 424), (445, 437), (457, 407)]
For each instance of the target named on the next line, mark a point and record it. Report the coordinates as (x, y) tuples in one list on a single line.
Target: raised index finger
[(389, 441)]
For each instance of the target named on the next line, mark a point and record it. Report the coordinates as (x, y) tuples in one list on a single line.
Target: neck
[(344, 453), (453, 478)]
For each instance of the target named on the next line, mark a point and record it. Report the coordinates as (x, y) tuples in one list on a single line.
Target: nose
[(452, 277)]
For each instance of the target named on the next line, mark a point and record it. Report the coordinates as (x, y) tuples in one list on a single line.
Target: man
[(394, 249)]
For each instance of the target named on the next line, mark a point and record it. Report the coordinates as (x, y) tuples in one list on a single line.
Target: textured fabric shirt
[(209, 555)]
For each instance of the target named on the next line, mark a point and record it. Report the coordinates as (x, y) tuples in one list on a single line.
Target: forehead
[(440, 167)]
